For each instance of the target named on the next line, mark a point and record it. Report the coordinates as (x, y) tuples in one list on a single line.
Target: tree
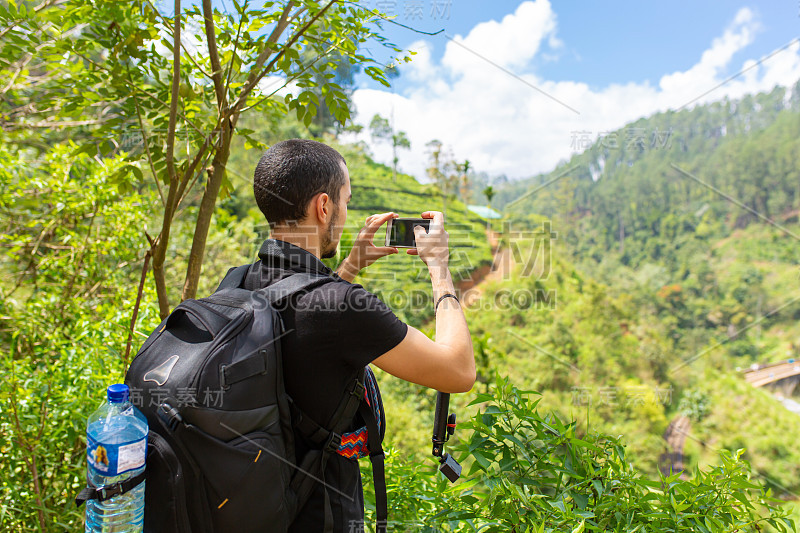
[(344, 73), (488, 192), (463, 170), (116, 70), (440, 170), (382, 129)]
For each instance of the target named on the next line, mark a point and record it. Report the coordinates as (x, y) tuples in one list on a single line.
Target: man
[(303, 188)]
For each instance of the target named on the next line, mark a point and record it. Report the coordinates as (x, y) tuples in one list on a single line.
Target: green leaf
[(598, 486), (89, 149), (581, 500)]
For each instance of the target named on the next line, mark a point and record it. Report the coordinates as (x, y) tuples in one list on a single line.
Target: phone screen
[(400, 231)]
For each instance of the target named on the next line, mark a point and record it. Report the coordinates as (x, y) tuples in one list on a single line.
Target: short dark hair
[(291, 173)]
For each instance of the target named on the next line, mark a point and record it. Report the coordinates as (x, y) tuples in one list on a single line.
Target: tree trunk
[(159, 250), (207, 206)]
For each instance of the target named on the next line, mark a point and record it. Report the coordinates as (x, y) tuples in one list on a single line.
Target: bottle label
[(115, 459)]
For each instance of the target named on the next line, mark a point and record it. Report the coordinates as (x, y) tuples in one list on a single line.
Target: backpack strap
[(322, 437), (234, 278), (376, 457), (101, 494), (290, 285), (328, 440)]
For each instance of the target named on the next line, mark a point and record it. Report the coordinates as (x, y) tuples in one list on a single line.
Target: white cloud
[(714, 61), (421, 68), (503, 125), (510, 43)]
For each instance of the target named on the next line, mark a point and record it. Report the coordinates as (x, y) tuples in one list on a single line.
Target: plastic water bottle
[(116, 436)]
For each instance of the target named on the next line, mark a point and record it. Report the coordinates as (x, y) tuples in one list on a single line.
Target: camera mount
[(444, 425)]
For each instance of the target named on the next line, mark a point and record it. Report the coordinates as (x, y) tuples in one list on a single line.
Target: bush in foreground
[(526, 472)]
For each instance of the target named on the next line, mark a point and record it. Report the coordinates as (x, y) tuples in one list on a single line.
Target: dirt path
[(470, 290), (675, 436)]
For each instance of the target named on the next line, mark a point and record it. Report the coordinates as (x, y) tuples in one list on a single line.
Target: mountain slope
[(695, 239)]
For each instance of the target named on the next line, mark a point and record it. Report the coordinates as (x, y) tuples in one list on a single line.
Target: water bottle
[(116, 436)]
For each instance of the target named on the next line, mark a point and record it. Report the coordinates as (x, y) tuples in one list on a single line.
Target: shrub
[(528, 472)]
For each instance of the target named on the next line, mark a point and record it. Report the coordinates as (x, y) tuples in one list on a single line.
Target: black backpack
[(222, 428)]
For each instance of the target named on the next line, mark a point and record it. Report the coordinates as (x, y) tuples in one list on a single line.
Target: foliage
[(125, 67), (662, 186), (71, 248), (610, 357), (686, 279), (488, 192), (690, 218), (695, 404), (527, 472)]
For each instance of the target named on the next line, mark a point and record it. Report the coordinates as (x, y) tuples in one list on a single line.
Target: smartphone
[(400, 231)]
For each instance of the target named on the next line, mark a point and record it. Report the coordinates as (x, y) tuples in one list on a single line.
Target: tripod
[(444, 425)]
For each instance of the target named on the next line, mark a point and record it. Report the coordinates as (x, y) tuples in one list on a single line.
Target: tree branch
[(253, 77), (136, 308), (144, 93), (235, 48), (64, 124), (144, 137), (225, 126), (290, 80), (191, 172), (204, 214), (175, 96), (160, 252), (188, 55), (253, 81), (36, 9), (213, 55)]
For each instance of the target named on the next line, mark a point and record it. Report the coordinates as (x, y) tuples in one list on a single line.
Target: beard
[(327, 245)]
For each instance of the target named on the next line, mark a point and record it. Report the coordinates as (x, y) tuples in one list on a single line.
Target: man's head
[(303, 186)]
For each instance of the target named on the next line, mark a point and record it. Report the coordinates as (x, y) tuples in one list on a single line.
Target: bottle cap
[(117, 393)]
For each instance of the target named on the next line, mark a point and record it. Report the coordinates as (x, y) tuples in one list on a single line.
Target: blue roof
[(484, 211)]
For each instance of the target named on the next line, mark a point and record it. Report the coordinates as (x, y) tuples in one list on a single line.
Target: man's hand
[(432, 246), (364, 252)]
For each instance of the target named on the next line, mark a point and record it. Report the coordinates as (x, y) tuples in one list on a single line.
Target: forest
[(624, 290)]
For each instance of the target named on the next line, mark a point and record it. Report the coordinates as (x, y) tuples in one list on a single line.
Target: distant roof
[(484, 211)]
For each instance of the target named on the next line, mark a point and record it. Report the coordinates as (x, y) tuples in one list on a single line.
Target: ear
[(322, 207)]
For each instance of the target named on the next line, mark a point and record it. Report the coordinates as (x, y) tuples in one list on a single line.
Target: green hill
[(677, 266)]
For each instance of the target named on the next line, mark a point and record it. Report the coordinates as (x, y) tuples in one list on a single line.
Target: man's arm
[(447, 363)]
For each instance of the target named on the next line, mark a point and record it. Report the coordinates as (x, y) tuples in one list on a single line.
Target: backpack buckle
[(109, 492), (334, 442), (223, 382), (169, 415), (358, 389)]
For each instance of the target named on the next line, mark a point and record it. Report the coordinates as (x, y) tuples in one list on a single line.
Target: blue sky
[(604, 42), (608, 62)]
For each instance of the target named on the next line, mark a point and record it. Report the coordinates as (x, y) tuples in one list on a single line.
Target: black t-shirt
[(331, 332)]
